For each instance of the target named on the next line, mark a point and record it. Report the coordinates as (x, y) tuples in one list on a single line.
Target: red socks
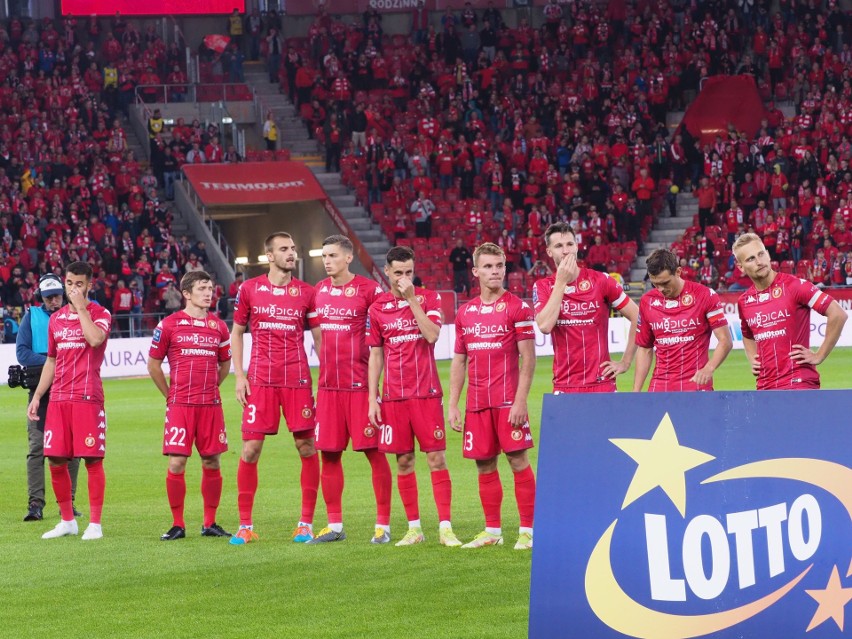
[(246, 489), (61, 480), (310, 480), (97, 487), (176, 492), (442, 488), (491, 496), (525, 495), (332, 486), (407, 485), (382, 482), (211, 492)]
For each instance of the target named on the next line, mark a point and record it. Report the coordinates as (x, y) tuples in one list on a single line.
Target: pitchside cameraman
[(31, 351)]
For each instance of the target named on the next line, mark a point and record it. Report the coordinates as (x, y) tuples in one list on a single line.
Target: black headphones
[(46, 278)]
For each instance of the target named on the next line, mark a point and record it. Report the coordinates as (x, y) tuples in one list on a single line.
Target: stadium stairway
[(666, 230), (294, 137)]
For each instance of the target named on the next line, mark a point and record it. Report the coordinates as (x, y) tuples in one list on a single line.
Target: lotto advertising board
[(669, 516), (150, 7)]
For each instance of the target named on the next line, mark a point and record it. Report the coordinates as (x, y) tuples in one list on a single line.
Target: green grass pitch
[(132, 585)]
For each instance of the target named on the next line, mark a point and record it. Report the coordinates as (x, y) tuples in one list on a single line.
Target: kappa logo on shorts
[(307, 412), (439, 434), (517, 434), (90, 442), (369, 432)]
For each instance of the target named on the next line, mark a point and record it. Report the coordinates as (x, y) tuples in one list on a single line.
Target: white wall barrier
[(128, 357)]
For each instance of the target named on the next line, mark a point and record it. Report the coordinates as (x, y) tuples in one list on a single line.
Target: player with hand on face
[(198, 347), (75, 425), (342, 302), (277, 308), (676, 319), (403, 327), (775, 313), (573, 305), (495, 343)]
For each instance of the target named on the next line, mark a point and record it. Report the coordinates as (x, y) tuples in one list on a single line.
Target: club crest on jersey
[(501, 306), (350, 291), (584, 286), (687, 300), (211, 323), (307, 412), (90, 442), (517, 434), (776, 292), (294, 291), (420, 299), (369, 432), (439, 433)]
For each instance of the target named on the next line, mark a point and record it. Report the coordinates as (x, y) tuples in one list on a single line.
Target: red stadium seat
[(788, 266)]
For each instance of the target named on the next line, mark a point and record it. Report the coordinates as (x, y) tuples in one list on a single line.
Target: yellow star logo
[(662, 462), (832, 600)]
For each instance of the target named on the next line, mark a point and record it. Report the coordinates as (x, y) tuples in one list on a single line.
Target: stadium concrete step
[(681, 222), (673, 119), (666, 236)]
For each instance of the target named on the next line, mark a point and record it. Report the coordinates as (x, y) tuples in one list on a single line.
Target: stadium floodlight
[(227, 120), (241, 260), (315, 252), (263, 259)]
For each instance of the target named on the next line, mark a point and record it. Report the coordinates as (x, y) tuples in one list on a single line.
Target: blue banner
[(676, 515)]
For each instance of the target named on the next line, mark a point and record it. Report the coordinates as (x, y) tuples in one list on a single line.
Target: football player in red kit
[(198, 347), (495, 343)]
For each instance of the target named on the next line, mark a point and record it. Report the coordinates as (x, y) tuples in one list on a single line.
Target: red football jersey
[(78, 365), (410, 369), (194, 348), (776, 319), (679, 330), (581, 335), (277, 317), (488, 334), (341, 314)]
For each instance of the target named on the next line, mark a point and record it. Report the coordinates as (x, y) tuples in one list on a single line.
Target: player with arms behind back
[(403, 327), (342, 302), (573, 306), (75, 425), (198, 347), (276, 307), (494, 332), (676, 319), (775, 314)]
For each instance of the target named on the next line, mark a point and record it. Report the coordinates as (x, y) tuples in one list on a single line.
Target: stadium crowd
[(473, 129), (70, 186)]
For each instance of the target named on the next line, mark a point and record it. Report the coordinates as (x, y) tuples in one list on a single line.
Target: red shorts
[(405, 420), (488, 432), (75, 429), (266, 404), (605, 387), (202, 425), (341, 415)]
